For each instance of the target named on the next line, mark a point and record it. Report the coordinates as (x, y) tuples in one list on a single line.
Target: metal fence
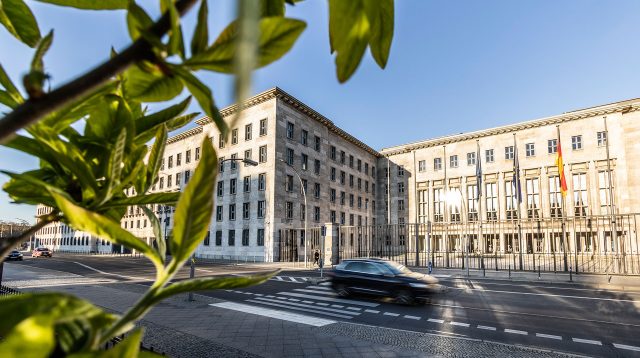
[(594, 244)]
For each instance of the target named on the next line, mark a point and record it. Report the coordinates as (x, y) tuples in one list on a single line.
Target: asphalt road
[(570, 318)]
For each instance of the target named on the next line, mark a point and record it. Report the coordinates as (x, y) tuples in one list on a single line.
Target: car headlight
[(418, 285)]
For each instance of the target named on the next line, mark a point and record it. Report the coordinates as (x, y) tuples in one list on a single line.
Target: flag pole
[(562, 202), (481, 240), (612, 224), (518, 188)]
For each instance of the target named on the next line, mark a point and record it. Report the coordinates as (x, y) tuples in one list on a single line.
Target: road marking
[(587, 341), (624, 346), (286, 316), (515, 331), (435, 320), (289, 307), (293, 279), (316, 292), (354, 308), (323, 309), (279, 278), (372, 311), (112, 274), (330, 299), (391, 314), (270, 296), (487, 328), (294, 300), (320, 288), (307, 301), (258, 294), (411, 317), (542, 294), (461, 324), (337, 306), (550, 336)]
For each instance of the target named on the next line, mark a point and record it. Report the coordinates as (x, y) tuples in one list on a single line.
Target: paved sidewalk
[(197, 329)]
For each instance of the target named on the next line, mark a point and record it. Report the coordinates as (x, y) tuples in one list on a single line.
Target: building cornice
[(618, 107), (184, 135)]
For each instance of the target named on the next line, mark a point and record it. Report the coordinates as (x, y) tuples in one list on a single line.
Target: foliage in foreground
[(83, 174)]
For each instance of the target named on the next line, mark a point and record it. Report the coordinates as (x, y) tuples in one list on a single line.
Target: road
[(567, 318)]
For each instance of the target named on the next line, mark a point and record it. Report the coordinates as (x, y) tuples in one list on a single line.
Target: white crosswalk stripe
[(330, 299), (318, 292), (320, 310)]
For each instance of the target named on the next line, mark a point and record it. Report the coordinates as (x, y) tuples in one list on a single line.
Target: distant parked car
[(382, 278), (14, 255), (41, 251)]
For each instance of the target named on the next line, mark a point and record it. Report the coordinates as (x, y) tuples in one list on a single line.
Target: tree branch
[(35, 108), (10, 242)]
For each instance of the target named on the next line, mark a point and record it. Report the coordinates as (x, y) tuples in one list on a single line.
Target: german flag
[(560, 164)]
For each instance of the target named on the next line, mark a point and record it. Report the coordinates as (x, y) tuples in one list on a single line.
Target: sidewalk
[(197, 329)]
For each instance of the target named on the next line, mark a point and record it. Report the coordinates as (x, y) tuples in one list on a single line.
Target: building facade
[(260, 208)]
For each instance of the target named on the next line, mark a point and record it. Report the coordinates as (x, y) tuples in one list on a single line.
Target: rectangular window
[(332, 153), (289, 209), (247, 156), (533, 197), (343, 177), (351, 200), (221, 142), (219, 213), (359, 165), (316, 190), (316, 213), (437, 163), (491, 194), (343, 196), (261, 209), (351, 161), (232, 186), (170, 164), (351, 180), (332, 195), (508, 152), (555, 197), (488, 155), (260, 237), (342, 218), (248, 129), (290, 156), (246, 184), (187, 176), (317, 144), (218, 238), (169, 182), (262, 154), (438, 204), (178, 159), (290, 130), (472, 202), (454, 208), (221, 161), (234, 163), (576, 142), (262, 181), (303, 212), (305, 161), (178, 177), (187, 156), (304, 137), (232, 212), (604, 191), (207, 239), (471, 158), (333, 174), (602, 139), (401, 188), (231, 240), (552, 146), (234, 136), (511, 200), (220, 190), (400, 205), (161, 183), (530, 149), (288, 185), (359, 184), (316, 167), (162, 164), (197, 155), (263, 127), (400, 170), (332, 216), (580, 200), (342, 157), (359, 202), (422, 166), (245, 237), (453, 161)]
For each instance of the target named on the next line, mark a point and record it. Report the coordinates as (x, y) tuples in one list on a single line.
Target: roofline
[(191, 132), (626, 106)]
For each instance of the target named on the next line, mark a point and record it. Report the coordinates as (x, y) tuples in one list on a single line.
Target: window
[(491, 194), (511, 200), (602, 138), (231, 240), (342, 218), (220, 190), (351, 180), (197, 155), (170, 164), (303, 212), (359, 184), (576, 142), (248, 129), (438, 204), (161, 183), (359, 165), (262, 181), (471, 158), (533, 197), (422, 166), (260, 237), (221, 142), (317, 143), (207, 238), (234, 164), (245, 237), (290, 130), (351, 161), (488, 156), (400, 188), (246, 184), (316, 190), (530, 149), (580, 202), (351, 200), (552, 146), (218, 238), (604, 191), (472, 202), (454, 208), (221, 161), (304, 137), (247, 156), (219, 213), (289, 156), (508, 152), (289, 209), (342, 157), (162, 164), (178, 177), (305, 161), (400, 170), (332, 152), (343, 177), (555, 197), (366, 186), (332, 195), (187, 156), (288, 185), (453, 161), (232, 186), (333, 174), (400, 205), (437, 163), (261, 209), (169, 181), (316, 166), (178, 159), (187, 176), (316, 213), (262, 154), (359, 202), (332, 216), (234, 136), (343, 196), (263, 127), (232, 212), (304, 186)]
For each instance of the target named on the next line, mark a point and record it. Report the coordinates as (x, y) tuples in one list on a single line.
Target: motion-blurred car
[(14, 255), (41, 251), (382, 278)]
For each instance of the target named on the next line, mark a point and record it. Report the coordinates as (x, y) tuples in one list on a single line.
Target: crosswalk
[(290, 279)]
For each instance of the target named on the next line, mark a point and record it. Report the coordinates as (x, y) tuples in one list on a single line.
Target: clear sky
[(455, 66)]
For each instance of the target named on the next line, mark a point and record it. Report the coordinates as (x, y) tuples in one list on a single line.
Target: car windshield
[(43, 249), (396, 268)]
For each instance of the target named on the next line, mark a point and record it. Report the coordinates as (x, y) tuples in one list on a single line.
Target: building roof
[(625, 106)]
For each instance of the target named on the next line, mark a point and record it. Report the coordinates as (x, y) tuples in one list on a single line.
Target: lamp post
[(454, 197), (304, 194)]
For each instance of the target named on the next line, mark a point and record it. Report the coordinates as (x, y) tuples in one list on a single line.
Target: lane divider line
[(587, 341), (550, 336), (487, 328), (624, 346), (461, 324), (515, 331)]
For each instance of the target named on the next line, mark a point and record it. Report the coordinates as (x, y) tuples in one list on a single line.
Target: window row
[(352, 200), (353, 162), (248, 133), (246, 185), (245, 237), (261, 209), (178, 159)]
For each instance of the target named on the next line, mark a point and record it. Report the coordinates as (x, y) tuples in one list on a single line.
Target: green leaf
[(380, 14), (277, 36), (18, 19), (24, 188), (175, 34), (116, 162), (349, 32), (153, 198), (155, 157), (7, 100), (272, 8), (91, 4), (128, 348), (195, 207), (151, 87), (43, 47), (103, 227), (213, 283), (33, 338), (150, 122), (5, 81), (200, 38), (157, 232), (181, 121), (137, 20), (203, 95)]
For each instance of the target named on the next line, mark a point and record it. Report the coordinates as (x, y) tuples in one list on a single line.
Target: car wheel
[(342, 290), (404, 297)]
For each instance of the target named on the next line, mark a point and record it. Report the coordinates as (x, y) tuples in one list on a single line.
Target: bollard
[(538, 272), (509, 270), (570, 274)]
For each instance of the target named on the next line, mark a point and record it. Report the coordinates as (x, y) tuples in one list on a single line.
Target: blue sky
[(455, 66)]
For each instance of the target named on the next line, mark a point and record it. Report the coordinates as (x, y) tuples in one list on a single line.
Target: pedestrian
[(316, 258)]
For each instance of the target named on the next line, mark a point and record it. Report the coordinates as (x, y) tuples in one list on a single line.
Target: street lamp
[(304, 194), (454, 197)]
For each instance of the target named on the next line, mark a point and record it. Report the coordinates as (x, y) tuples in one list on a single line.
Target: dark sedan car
[(14, 255), (382, 278)]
